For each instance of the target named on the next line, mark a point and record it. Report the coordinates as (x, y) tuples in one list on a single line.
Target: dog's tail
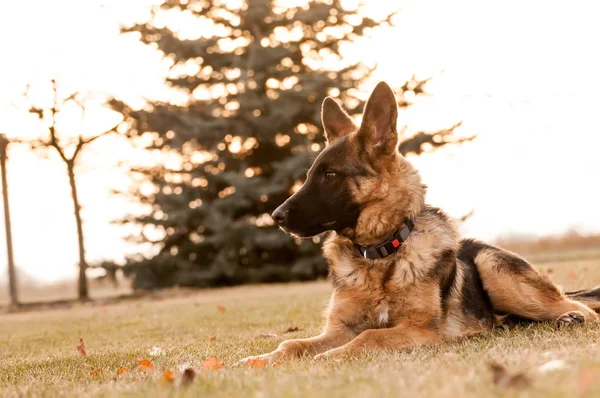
[(589, 297)]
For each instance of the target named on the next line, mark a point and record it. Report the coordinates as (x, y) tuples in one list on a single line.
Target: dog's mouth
[(316, 229), (329, 225)]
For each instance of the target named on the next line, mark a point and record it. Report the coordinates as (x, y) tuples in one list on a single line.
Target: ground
[(38, 354)]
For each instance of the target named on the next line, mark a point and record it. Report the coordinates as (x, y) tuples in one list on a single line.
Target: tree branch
[(82, 142)]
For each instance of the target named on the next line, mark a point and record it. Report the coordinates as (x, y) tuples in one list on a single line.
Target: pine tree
[(245, 137)]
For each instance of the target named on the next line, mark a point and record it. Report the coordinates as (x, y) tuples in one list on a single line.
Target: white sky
[(522, 75)]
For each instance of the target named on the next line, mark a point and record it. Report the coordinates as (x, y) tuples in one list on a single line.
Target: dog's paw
[(331, 355), (270, 357), (570, 318)]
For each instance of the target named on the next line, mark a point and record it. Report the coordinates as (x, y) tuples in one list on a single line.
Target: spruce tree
[(245, 136)]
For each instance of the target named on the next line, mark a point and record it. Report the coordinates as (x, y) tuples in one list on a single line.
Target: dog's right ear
[(336, 121)]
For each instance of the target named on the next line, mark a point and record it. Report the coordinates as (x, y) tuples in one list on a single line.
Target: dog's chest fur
[(400, 288)]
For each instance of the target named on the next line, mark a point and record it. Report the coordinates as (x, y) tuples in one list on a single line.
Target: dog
[(401, 275)]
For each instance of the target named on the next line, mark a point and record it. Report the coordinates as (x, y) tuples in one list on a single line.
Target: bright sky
[(522, 75)]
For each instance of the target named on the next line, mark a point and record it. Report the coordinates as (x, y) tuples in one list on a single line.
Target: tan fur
[(426, 291)]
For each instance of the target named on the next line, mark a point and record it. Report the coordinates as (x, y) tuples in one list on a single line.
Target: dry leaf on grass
[(221, 308), (122, 371), (188, 376), (257, 363), (504, 379), (81, 348), (212, 363), (213, 338), (96, 372), (167, 377), (145, 365), (292, 329), (266, 336)]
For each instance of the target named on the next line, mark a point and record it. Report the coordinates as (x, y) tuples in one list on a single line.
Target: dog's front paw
[(270, 357), (332, 355), (287, 350)]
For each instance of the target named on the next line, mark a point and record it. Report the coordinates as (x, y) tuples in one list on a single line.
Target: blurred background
[(148, 141)]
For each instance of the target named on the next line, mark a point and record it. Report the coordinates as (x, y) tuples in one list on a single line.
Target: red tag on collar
[(395, 243)]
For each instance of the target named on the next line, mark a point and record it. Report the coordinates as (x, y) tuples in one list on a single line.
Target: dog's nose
[(280, 216)]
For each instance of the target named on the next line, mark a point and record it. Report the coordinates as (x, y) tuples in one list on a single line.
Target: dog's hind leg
[(515, 287), (589, 297)]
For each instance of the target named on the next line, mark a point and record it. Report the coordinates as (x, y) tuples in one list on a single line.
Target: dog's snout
[(280, 216)]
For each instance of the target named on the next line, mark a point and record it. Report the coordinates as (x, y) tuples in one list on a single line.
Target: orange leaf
[(221, 308), (572, 275), (212, 363), (81, 347), (122, 371), (276, 364), (213, 338), (257, 363), (95, 372), (146, 365), (168, 377)]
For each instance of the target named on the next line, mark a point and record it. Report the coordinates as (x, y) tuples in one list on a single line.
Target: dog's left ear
[(336, 122), (378, 129)]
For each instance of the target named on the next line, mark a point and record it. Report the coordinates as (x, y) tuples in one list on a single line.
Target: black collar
[(390, 245)]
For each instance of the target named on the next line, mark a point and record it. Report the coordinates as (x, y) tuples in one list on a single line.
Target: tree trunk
[(12, 274), (83, 286)]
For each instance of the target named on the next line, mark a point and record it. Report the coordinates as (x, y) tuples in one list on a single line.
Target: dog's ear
[(336, 122), (378, 129)]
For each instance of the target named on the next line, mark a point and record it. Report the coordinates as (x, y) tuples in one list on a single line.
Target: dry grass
[(38, 355)]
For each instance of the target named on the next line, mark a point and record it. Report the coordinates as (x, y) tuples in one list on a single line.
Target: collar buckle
[(390, 245)]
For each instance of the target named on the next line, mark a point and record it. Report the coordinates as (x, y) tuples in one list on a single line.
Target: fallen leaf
[(156, 351), (553, 365), (213, 338), (188, 376), (503, 379), (257, 363), (95, 372), (167, 377), (585, 380), (146, 365), (276, 364), (81, 347), (212, 363), (266, 336), (122, 371), (572, 275), (221, 308), (292, 329)]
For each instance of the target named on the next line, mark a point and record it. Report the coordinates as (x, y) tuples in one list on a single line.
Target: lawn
[(38, 355)]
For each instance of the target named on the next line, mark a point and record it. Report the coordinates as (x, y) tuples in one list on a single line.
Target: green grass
[(38, 355)]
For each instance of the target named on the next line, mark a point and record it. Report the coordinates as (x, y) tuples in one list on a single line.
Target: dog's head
[(359, 174)]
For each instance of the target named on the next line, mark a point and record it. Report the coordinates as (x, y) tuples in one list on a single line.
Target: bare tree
[(12, 274), (68, 150)]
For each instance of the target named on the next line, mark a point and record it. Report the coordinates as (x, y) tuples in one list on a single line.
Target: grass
[(38, 355)]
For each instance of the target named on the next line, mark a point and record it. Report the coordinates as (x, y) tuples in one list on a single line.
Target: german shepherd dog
[(400, 273)]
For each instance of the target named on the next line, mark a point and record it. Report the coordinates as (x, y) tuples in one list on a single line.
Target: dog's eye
[(330, 174)]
